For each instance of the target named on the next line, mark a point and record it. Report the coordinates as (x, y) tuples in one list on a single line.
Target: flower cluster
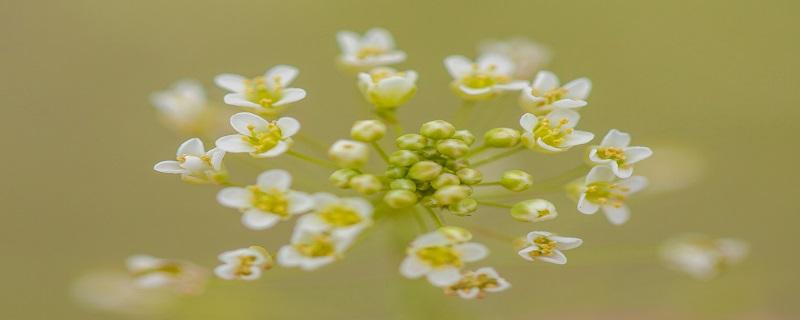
[(701, 256)]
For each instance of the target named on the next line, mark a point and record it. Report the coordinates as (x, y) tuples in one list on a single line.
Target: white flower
[(266, 94), (534, 210), (528, 56), (348, 153), (194, 164), (475, 284), (440, 257), (615, 152), (554, 132), (259, 137), (375, 48), (546, 94), (182, 104), (701, 256), (387, 88), (545, 246), (151, 272), (243, 264), (267, 202), (310, 249), (601, 190), (483, 79), (343, 217)]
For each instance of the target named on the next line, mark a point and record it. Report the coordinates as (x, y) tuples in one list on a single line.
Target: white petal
[(474, 91), (300, 202), (499, 63), (141, 262), (470, 293), (430, 239), (194, 164), (617, 215), (557, 115), (633, 184), (599, 174), (566, 243), (578, 89), (276, 178), (361, 205), (277, 150), (528, 121), (255, 273), (234, 143), (623, 173), (458, 66), (616, 138), (289, 126), (547, 147), (235, 197), (393, 88), (191, 147), (569, 103), (284, 72), (348, 41), (225, 271), (531, 236), (216, 156), (512, 86), (525, 252), (290, 95), (587, 207), (557, 257), (242, 121), (322, 199), (239, 99), (289, 257), (309, 264), (636, 154), (577, 137), (545, 81), (258, 220), (230, 82), (379, 37), (169, 167), (489, 271), (443, 277), (471, 251), (413, 268)]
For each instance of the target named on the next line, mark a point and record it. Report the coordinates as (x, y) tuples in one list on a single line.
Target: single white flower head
[(349, 153), (183, 104), (116, 292), (476, 284), (194, 164), (554, 132), (376, 48), (440, 257), (243, 264), (310, 248), (546, 94), (151, 272), (547, 247), (386, 87), (268, 94), (534, 210), (343, 217), (267, 202), (601, 190), (528, 56), (703, 257), (259, 137), (482, 79), (615, 153)]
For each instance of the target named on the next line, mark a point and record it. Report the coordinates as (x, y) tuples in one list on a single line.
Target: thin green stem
[(476, 151), (319, 162), (494, 204), (378, 148), (497, 157), (436, 217), (420, 222), (487, 184), (560, 180)]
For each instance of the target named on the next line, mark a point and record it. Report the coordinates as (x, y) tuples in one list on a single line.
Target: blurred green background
[(711, 83)]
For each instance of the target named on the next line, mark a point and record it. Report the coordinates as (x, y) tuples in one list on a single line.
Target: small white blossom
[(547, 247), (259, 137), (476, 284), (267, 94), (703, 257), (554, 132), (375, 48), (528, 56), (440, 258), (348, 153), (194, 164), (151, 272), (483, 79), (615, 153), (601, 190), (267, 202), (534, 210), (183, 104), (310, 248), (546, 94), (243, 264), (386, 87), (343, 217)]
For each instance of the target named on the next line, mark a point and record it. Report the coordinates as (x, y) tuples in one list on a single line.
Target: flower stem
[(420, 222), (494, 204), (487, 184), (380, 151), (476, 151), (497, 157), (436, 217), (561, 179), (321, 163)]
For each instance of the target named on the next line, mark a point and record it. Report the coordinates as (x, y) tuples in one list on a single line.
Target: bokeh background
[(710, 85)]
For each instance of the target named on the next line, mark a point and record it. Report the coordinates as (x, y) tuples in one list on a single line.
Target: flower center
[(439, 256), (546, 247), (542, 213), (258, 91), (549, 96), (272, 200), (369, 52), (340, 215), (552, 135), (612, 153), (483, 78), (606, 193), (263, 141), (319, 246), (379, 74), (470, 280), (245, 266), (171, 268)]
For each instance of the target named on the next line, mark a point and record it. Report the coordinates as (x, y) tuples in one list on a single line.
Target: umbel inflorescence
[(432, 172)]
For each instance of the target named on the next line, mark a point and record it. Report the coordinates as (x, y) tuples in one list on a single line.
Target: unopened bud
[(424, 171), (349, 154), (452, 148), (452, 194), (366, 184), (534, 210), (403, 184), (400, 198), (464, 207), (395, 172), (469, 176), (501, 137), (437, 129), (465, 135), (411, 141), (456, 234), (368, 130), (445, 179), (403, 158), (341, 178), (516, 180)]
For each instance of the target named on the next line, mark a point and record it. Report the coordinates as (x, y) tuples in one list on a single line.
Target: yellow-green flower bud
[(516, 180), (368, 130), (464, 207), (429, 202), (457, 234), (452, 148), (424, 171), (349, 154), (386, 87), (396, 172), (445, 179), (534, 210), (465, 135), (400, 198), (403, 158), (452, 194), (341, 178), (457, 164), (411, 141), (501, 137), (469, 176), (366, 184), (403, 184), (437, 129)]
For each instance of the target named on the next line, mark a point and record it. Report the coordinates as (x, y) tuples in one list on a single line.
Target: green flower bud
[(534, 210), (464, 207), (349, 154), (368, 130), (403, 184), (429, 202), (411, 141), (396, 172), (469, 176), (452, 148), (516, 180), (437, 129), (457, 164), (466, 136), (452, 194), (501, 137), (403, 158), (424, 171), (400, 198), (445, 179), (341, 178), (456, 234), (366, 184)]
